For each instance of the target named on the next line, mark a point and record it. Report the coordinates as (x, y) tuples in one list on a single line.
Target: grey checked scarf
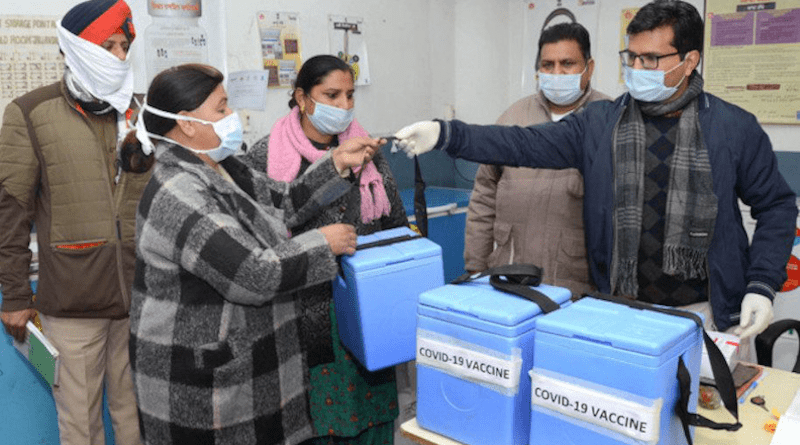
[(691, 209)]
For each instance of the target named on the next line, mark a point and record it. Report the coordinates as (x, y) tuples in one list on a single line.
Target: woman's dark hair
[(314, 71), (176, 89), (566, 31), (687, 25)]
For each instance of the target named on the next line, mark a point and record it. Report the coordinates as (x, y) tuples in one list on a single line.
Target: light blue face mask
[(648, 85), (228, 129), (561, 89), (330, 120)]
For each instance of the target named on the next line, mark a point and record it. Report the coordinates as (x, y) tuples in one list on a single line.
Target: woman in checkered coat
[(215, 349)]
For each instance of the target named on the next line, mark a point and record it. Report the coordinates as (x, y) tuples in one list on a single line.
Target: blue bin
[(447, 219), (474, 348), (605, 373), (376, 296)]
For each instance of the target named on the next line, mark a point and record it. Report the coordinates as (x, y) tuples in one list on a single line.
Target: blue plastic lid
[(619, 326), (435, 197), (376, 257), (480, 300)]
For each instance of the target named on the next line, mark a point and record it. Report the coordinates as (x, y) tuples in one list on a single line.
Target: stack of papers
[(789, 426)]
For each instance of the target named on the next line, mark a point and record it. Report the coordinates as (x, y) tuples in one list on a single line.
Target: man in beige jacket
[(525, 215)]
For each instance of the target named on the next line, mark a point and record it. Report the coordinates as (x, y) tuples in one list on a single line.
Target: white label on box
[(603, 409), (469, 361)]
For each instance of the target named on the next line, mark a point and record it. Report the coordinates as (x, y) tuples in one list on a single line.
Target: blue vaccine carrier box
[(375, 297), (474, 348), (605, 373)]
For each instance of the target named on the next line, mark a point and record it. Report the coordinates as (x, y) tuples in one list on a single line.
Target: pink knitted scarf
[(288, 145)]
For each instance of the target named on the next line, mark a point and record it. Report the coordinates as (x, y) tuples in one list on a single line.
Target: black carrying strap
[(379, 243), (719, 367), (387, 241), (515, 279), (420, 206)]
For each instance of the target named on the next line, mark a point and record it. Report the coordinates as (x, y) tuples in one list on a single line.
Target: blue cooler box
[(605, 373), (376, 298), (474, 348)]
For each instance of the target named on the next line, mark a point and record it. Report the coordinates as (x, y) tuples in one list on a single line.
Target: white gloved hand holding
[(418, 138), (756, 315)]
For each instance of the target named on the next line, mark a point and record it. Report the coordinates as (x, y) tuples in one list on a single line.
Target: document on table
[(789, 426)]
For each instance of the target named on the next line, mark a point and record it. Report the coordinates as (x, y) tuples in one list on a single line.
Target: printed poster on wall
[(752, 57), (280, 46), (29, 55), (346, 39), (545, 13)]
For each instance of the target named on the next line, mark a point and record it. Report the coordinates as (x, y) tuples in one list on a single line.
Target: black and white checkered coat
[(215, 349)]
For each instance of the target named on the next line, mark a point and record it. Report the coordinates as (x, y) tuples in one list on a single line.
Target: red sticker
[(793, 271)]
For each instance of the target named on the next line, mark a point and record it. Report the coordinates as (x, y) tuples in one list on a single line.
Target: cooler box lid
[(402, 251), (480, 301), (436, 198), (622, 327)]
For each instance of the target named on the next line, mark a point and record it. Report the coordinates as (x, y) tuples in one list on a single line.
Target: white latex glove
[(756, 315), (418, 138)]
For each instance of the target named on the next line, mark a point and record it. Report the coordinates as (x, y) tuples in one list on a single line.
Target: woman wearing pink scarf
[(348, 403)]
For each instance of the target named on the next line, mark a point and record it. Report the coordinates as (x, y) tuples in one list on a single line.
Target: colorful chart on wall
[(280, 46), (29, 56), (752, 57), (346, 39)]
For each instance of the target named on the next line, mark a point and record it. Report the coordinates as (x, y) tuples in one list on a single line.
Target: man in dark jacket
[(58, 169), (664, 166)]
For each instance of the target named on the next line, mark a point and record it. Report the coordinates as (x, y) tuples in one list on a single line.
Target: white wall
[(409, 44), (427, 57)]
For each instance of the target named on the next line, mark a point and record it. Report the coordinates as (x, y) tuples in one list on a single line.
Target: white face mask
[(648, 85), (328, 119), (228, 129), (561, 89), (101, 73)]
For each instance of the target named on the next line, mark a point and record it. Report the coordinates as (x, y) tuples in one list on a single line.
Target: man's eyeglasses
[(649, 61)]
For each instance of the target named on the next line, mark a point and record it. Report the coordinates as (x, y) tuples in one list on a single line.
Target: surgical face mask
[(228, 129), (561, 89), (331, 120), (648, 85)]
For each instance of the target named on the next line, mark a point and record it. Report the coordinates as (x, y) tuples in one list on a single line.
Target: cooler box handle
[(515, 279)]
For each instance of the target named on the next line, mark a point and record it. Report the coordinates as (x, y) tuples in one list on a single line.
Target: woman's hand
[(354, 152), (341, 238)]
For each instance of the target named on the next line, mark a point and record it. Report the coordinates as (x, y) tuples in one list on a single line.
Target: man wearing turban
[(59, 175)]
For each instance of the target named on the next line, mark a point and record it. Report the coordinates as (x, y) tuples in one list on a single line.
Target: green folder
[(42, 354)]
